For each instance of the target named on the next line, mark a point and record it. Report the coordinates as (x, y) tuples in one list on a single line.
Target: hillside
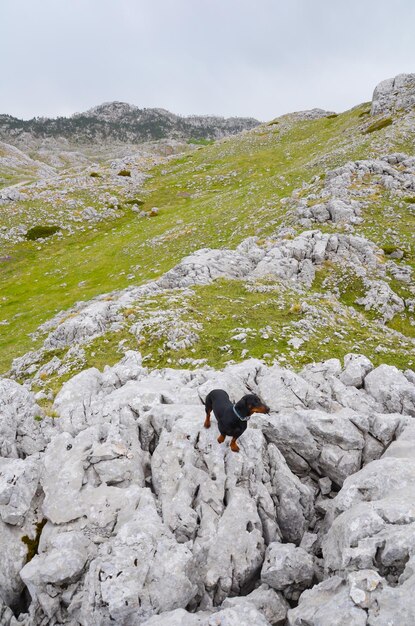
[(118, 122), (280, 262), (48, 147), (294, 182)]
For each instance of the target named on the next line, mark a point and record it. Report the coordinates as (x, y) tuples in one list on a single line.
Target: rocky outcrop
[(369, 547), (394, 94), (342, 198), (130, 508)]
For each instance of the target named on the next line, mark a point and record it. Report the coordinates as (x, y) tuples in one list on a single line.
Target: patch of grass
[(41, 232), (32, 545), (378, 125), (136, 201), (124, 173), (389, 249), (200, 141)]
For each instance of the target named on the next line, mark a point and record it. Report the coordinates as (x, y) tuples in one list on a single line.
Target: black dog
[(232, 419)]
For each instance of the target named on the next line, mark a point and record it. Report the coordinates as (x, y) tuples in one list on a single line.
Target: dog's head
[(254, 404)]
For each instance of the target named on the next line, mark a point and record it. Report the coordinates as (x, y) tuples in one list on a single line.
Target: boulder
[(287, 569), (394, 94), (392, 389)]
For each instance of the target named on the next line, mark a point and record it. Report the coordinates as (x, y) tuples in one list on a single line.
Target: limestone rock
[(18, 484), (380, 297), (392, 389), (287, 569), (269, 602), (327, 604), (394, 94)]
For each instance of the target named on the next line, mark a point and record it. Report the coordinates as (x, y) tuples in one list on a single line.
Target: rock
[(380, 297), (62, 565), (18, 484), (243, 615), (392, 389), (362, 584), (325, 485), (144, 572), (87, 324), (287, 569), (394, 94), (327, 604), (20, 433), (178, 617), (355, 369), (146, 513), (269, 602), (14, 555), (294, 510), (328, 443), (81, 483)]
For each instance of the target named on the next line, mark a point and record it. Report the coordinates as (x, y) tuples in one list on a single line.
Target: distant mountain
[(121, 122)]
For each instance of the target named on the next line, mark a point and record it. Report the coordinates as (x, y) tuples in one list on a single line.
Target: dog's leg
[(234, 445), (221, 438), (207, 420)]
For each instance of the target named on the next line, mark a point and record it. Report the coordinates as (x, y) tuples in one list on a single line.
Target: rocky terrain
[(126, 507), (288, 273), (113, 128)]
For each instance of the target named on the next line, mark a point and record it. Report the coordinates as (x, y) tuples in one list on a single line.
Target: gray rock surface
[(147, 514), (368, 546), (288, 569), (394, 94)]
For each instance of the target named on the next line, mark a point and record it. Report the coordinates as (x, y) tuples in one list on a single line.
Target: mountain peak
[(109, 111)]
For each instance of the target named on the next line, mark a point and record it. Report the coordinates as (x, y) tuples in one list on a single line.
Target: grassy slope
[(214, 197)]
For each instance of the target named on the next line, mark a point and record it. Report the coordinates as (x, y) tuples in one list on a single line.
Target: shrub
[(389, 248), (410, 199), (124, 173), (95, 175), (332, 116), (41, 232), (32, 545), (200, 142), (378, 125), (136, 201)]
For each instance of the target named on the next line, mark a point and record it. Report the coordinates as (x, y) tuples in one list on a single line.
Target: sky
[(257, 58)]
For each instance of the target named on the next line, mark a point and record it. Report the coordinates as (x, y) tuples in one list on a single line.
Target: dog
[(232, 419)]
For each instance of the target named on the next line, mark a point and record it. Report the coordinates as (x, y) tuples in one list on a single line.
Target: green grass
[(270, 320), (201, 141), (41, 232), (378, 125)]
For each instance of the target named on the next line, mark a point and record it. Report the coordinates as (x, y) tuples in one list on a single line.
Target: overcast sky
[(259, 58)]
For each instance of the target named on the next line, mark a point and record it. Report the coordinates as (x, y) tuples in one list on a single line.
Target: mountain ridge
[(120, 121)]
